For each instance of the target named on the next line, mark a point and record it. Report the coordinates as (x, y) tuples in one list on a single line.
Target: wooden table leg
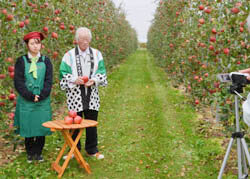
[(78, 154), (73, 145), (55, 164)]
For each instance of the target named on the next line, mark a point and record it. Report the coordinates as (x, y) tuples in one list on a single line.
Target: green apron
[(29, 115)]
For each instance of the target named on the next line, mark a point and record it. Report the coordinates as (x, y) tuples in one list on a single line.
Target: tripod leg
[(244, 163), (245, 150), (239, 158), (225, 158)]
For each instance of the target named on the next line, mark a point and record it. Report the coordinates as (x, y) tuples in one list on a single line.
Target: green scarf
[(33, 67)]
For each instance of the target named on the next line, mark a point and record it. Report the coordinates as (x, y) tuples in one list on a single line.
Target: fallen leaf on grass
[(137, 169), (147, 166), (157, 170)]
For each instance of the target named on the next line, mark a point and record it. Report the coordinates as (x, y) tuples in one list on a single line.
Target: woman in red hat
[(33, 82)]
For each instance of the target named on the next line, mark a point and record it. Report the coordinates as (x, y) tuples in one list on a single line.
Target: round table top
[(60, 124)]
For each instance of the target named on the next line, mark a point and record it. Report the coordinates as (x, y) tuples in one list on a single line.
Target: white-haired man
[(83, 97)]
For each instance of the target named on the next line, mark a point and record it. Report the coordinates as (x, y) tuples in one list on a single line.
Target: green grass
[(145, 131)]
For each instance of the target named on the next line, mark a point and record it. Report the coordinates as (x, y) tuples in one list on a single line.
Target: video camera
[(234, 77), (239, 80)]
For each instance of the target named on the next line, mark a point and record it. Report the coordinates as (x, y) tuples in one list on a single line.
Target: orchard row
[(199, 39)]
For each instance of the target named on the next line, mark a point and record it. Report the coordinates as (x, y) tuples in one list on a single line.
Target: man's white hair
[(248, 23), (82, 30)]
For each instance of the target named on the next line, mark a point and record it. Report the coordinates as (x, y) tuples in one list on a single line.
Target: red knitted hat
[(33, 35)]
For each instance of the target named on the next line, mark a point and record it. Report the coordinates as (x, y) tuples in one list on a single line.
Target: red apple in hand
[(85, 79), (72, 114), (77, 120), (68, 120)]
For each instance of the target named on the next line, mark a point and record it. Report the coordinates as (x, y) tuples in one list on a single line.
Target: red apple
[(26, 21), (10, 17), (2, 76), (11, 115), (21, 24), (11, 68), (201, 21), (4, 11), (9, 59), (241, 29), (208, 11), (54, 35), (57, 11), (68, 120), (35, 10), (71, 27), (235, 10), (45, 29), (212, 39), (85, 79), (226, 51), (242, 24), (201, 7), (211, 47), (62, 26), (204, 66), (206, 74), (77, 120), (12, 97), (214, 31), (12, 74), (72, 114), (243, 44), (29, 3), (2, 103), (238, 4), (197, 101), (55, 54), (216, 84)]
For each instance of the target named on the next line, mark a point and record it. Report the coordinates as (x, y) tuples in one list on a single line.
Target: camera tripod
[(242, 149)]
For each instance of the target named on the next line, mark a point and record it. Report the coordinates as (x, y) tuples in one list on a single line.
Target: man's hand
[(89, 83), (79, 81), (36, 98), (246, 71)]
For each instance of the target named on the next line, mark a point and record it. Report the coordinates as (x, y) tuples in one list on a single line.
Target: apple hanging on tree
[(12, 96)]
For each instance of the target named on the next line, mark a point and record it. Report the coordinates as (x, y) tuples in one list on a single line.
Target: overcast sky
[(139, 13)]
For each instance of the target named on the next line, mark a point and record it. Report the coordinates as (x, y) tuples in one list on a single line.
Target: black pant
[(91, 132), (34, 145)]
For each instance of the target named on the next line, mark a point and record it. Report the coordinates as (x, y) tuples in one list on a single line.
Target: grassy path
[(145, 131)]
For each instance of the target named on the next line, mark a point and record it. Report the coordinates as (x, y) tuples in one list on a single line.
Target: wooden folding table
[(67, 132)]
